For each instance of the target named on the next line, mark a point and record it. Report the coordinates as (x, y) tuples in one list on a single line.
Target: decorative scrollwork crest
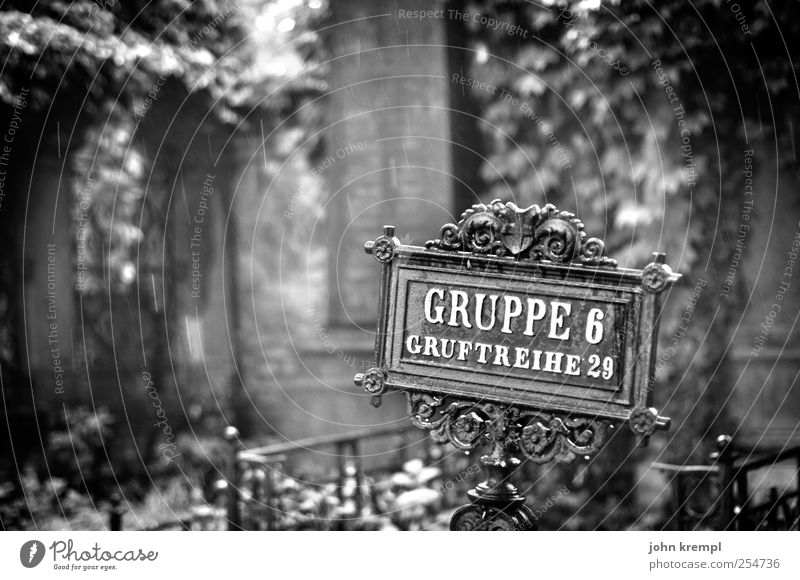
[(533, 233)]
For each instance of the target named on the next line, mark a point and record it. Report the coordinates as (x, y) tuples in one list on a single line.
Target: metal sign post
[(513, 330)]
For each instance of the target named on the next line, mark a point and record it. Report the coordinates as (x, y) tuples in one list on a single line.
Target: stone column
[(387, 160), (388, 157), (48, 293), (765, 267)]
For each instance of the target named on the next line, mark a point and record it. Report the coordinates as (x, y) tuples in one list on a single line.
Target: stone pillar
[(201, 346), (765, 399), (308, 293), (388, 158), (48, 292)]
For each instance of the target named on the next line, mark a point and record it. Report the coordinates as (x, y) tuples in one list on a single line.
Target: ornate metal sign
[(513, 329)]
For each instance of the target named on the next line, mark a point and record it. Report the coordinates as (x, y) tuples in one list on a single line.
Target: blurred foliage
[(76, 452), (64, 484), (72, 485), (46, 504), (582, 117), (414, 496), (587, 69), (104, 51)]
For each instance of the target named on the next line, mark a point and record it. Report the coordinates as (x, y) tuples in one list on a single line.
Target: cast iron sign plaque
[(511, 333), (513, 316)]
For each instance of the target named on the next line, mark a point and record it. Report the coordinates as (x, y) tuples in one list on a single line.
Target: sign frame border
[(500, 237)]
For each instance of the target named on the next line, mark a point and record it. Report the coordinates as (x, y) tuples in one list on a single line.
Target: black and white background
[(186, 188)]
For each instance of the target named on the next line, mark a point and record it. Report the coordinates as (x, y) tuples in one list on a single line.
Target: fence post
[(232, 475), (341, 470), (797, 479), (725, 457), (359, 476), (269, 493), (679, 491), (115, 514)]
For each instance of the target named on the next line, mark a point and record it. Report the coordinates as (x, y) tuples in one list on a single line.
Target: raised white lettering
[(464, 348), (573, 365), (536, 311), (430, 347), (459, 300), (412, 344), (512, 309), (439, 318), (552, 362), (594, 328), (482, 348), (501, 356), (521, 361), (557, 320), (448, 353), (479, 298)]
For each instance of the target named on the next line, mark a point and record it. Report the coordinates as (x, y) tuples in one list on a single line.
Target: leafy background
[(615, 125)]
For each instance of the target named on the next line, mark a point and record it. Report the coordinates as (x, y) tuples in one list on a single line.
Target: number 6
[(594, 328)]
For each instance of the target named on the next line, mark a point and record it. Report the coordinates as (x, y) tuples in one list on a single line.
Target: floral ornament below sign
[(541, 437)]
